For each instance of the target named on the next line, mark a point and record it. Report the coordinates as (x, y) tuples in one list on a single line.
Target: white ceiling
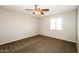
[(53, 9)]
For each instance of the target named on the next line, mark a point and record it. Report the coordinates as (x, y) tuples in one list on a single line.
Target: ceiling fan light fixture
[(37, 10), (37, 13)]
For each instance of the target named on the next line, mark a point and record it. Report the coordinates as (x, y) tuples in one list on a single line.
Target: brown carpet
[(39, 44)]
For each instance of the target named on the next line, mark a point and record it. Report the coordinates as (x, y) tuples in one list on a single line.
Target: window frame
[(54, 25)]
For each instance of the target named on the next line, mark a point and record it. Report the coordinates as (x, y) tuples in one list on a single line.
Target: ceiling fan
[(37, 10)]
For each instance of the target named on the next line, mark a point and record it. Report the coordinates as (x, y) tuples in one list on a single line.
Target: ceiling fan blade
[(42, 13), (29, 9), (44, 9), (33, 12)]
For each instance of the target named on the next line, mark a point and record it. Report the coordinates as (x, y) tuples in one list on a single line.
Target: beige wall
[(78, 28), (68, 31), (14, 26)]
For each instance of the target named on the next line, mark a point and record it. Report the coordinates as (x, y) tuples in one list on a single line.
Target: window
[(56, 24)]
